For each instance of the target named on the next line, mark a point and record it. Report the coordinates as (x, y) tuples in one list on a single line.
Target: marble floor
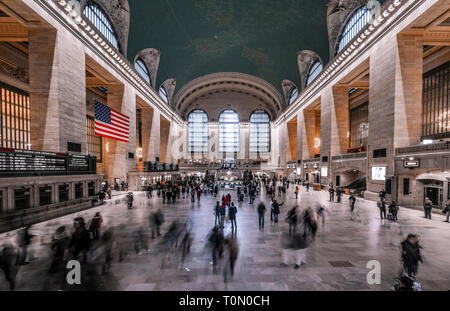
[(336, 261)]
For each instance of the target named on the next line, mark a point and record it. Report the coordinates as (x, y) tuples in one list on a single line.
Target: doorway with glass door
[(435, 195)]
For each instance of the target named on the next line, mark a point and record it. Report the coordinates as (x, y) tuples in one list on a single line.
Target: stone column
[(284, 147), (340, 121), (164, 139), (117, 161), (35, 193), (408, 91), (147, 122), (154, 144), (55, 198), (292, 130), (11, 204), (57, 90), (395, 102), (177, 143), (308, 133), (326, 128), (72, 191)]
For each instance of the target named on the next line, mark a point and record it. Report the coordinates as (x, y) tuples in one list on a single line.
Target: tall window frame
[(314, 71), (357, 21), (142, 69), (229, 131), (293, 96), (94, 142), (259, 138), (435, 103), (15, 122), (164, 95), (97, 16), (198, 132)]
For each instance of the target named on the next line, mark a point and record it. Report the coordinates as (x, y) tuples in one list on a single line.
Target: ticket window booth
[(63, 192), (79, 191), (22, 199), (91, 188), (45, 195)]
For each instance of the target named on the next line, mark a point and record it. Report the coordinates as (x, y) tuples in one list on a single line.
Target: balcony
[(429, 148), (350, 156)]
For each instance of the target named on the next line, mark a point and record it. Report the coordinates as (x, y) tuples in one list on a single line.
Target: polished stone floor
[(336, 261)]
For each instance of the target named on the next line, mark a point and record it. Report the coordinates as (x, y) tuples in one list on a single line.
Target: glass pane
[(354, 25), (229, 131), (99, 19), (198, 132)]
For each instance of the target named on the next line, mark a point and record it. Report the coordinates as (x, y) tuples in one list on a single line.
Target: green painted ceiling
[(256, 37)]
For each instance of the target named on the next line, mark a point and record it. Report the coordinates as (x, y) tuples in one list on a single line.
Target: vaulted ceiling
[(200, 37)]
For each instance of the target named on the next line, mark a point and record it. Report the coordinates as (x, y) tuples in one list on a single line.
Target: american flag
[(110, 123)]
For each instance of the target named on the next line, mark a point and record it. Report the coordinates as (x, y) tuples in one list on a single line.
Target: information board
[(16, 162)]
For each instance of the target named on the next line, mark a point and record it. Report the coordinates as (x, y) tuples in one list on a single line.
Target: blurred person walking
[(80, 241), (428, 206), (156, 221), (23, 241), (411, 256), (261, 212), (96, 223), (232, 211), (382, 206), (292, 219), (59, 244), (9, 264)]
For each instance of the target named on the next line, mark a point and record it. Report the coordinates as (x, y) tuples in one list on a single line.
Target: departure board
[(15, 162)]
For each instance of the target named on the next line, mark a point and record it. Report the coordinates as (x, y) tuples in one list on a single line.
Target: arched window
[(198, 132), (293, 96), (142, 69), (357, 21), (163, 94), (101, 21), (259, 132), (229, 131), (316, 68)]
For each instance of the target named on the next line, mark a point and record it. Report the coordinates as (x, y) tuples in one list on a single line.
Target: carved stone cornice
[(170, 85), (288, 86), (151, 59), (15, 72), (306, 59)]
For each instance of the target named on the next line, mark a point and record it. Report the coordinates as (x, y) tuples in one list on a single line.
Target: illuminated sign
[(411, 163), (378, 173)]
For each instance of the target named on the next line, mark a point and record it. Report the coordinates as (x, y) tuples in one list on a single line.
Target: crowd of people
[(86, 241)]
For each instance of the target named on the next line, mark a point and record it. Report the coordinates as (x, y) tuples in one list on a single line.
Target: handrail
[(424, 148)]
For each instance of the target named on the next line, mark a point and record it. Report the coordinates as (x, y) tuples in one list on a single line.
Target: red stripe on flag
[(125, 141), (112, 132), (114, 127), (124, 117), (116, 121), (111, 128)]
